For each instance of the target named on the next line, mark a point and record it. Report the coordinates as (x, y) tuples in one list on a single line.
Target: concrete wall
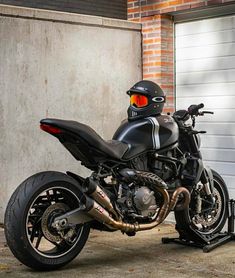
[(64, 66)]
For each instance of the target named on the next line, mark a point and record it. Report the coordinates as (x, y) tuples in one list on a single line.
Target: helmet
[(146, 99)]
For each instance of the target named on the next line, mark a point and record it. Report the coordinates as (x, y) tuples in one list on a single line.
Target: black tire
[(184, 223), (16, 221)]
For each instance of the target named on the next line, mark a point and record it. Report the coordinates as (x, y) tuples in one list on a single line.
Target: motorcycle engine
[(145, 201), (137, 201)]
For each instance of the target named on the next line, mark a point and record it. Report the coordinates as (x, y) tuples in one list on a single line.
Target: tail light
[(50, 129)]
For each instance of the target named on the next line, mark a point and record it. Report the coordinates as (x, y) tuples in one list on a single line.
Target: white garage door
[(205, 72)]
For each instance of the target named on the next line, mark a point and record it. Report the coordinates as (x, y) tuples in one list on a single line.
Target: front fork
[(207, 184), (207, 180), (204, 173)]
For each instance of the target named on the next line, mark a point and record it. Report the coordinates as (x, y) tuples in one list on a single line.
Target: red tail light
[(50, 129)]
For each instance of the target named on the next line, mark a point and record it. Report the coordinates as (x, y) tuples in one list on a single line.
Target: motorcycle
[(151, 167)]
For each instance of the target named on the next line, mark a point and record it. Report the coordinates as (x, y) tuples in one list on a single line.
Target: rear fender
[(78, 178)]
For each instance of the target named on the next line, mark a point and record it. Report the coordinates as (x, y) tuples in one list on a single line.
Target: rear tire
[(23, 222), (185, 219)]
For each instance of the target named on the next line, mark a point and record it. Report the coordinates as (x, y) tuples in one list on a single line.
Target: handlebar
[(193, 109)]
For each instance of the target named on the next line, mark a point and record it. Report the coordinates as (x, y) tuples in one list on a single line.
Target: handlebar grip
[(193, 109), (200, 106)]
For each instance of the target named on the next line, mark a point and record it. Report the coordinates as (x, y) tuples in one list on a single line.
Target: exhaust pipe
[(101, 215), (95, 206), (92, 189), (175, 197)]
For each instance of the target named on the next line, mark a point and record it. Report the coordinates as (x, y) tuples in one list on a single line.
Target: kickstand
[(208, 243)]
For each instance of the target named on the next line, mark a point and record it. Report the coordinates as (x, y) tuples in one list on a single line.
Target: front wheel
[(29, 215), (211, 218)]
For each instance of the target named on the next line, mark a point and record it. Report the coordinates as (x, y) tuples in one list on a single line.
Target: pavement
[(117, 255)]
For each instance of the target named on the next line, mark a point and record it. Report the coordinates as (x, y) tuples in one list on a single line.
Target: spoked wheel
[(29, 219), (211, 218)]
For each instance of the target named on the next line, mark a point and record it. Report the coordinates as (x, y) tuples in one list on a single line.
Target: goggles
[(138, 101)]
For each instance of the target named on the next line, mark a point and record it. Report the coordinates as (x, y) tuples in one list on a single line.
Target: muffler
[(92, 189), (102, 215), (100, 208)]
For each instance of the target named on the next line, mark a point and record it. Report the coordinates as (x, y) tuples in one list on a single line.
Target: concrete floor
[(116, 255)]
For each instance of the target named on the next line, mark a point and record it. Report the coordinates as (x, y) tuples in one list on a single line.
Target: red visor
[(139, 100)]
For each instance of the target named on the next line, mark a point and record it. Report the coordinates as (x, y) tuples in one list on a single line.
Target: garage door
[(205, 72)]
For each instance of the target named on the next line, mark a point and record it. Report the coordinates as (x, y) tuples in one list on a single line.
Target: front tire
[(188, 220), (28, 216)]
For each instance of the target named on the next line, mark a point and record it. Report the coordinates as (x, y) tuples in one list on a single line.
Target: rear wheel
[(212, 218), (29, 217)]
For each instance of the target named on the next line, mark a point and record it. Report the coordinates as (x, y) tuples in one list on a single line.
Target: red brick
[(161, 5), (147, 30), (152, 75), (167, 10), (133, 10), (154, 69), (154, 58), (136, 19), (198, 5), (149, 13), (147, 18), (183, 7), (147, 8), (149, 52), (175, 2)]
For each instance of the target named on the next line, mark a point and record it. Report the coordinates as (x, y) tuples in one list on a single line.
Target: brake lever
[(205, 112), (197, 132)]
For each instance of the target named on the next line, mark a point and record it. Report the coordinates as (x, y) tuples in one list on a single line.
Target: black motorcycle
[(152, 166)]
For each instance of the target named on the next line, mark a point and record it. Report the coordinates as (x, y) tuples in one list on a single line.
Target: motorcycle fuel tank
[(148, 134)]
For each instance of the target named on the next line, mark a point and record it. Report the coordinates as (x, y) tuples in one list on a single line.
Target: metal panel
[(205, 72), (218, 141), (207, 64), (217, 154), (205, 26), (201, 39), (216, 76), (210, 12), (206, 51), (106, 8), (200, 90), (218, 102), (225, 168)]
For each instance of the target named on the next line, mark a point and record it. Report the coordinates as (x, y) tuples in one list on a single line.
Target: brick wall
[(157, 35)]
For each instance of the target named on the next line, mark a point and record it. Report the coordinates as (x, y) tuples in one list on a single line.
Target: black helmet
[(146, 99)]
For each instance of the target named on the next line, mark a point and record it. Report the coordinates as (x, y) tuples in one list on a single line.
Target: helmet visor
[(139, 100)]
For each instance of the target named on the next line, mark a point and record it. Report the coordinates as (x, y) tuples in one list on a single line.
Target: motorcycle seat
[(112, 148)]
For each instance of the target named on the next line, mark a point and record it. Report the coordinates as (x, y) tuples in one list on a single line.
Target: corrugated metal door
[(205, 72)]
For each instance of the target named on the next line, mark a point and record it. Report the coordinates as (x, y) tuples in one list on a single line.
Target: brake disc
[(210, 218), (49, 214)]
